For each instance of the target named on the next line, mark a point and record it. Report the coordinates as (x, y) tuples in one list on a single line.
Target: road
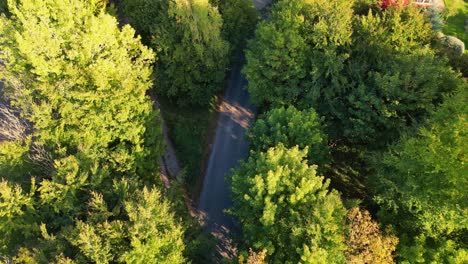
[(229, 147)]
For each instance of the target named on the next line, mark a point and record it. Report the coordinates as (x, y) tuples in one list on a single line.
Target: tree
[(421, 183), (239, 20), (192, 53), (79, 83), (394, 79), (298, 51), (366, 243), (291, 127), (83, 93), (371, 79), (288, 210)]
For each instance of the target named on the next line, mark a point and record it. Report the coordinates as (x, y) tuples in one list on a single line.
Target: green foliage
[(421, 181), (84, 94), (369, 86), (427, 250), (298, 51), (3, 6), (80, 83), (291, 127), (362, 7), (153, 234), (189, 130), (239, 20), (16, 214), (288, 210), (453, 44), (192, 53)]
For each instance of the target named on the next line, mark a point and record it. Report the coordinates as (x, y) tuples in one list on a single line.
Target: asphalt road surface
[(230, 145)]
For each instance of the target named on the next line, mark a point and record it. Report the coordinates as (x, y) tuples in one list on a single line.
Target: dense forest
[(357, 153)]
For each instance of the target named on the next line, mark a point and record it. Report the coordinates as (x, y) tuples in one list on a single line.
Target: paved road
[(229, 147)]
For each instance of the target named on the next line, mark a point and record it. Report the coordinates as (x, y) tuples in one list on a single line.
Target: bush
[(453, 44)]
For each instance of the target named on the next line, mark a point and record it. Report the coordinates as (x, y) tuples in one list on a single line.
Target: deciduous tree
[(285, 208), (291, 127), (80, 85), (192, 54), (421, 181), (298, 53), (366, 243)]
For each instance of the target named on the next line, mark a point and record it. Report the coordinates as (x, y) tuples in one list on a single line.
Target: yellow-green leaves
[(288, 207)]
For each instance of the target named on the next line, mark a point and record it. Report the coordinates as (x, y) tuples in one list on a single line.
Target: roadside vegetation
[(374, 80), (358, 154)]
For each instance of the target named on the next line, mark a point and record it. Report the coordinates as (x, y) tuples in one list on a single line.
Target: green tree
[(285, 208), (153, 233), (421, 183), (86, 132), (299, 51), (291, 127), (394, 79), (239, 20), (192, 53)]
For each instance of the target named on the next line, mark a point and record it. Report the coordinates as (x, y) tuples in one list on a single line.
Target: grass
[(190, 132), (456, 24)]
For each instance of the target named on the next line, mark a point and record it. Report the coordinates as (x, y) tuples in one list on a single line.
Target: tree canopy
[(371, 76), (297, 49), (291, 127), (421, 185), (84, 140), (239, 20), (192, 53), (285, 208)]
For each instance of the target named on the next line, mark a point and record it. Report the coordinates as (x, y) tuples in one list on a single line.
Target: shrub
[(453, 44)]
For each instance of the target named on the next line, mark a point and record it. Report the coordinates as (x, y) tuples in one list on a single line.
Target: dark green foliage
[(285, 208), (239, 20), (73, 180), (291, 127), (459, 63), (3, 6), (298, 51), (369, 87), (192, 54), (189, 129), (151, 20), (394, 79), (421, 183)]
